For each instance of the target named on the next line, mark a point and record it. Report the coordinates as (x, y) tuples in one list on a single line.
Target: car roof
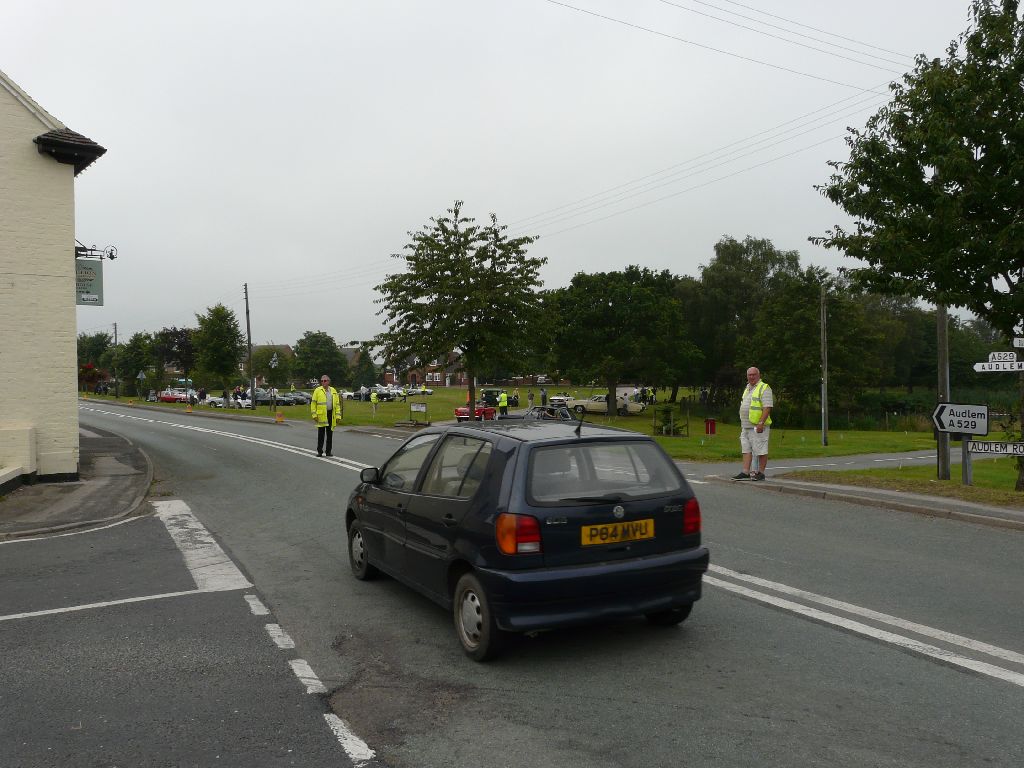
[(540, 431)]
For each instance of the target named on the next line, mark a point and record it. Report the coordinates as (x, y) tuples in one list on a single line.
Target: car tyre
[(580, 409), (670, 617), (474, 622), (357, 555)]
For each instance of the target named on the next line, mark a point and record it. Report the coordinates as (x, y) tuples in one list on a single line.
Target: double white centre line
[(907, 643)]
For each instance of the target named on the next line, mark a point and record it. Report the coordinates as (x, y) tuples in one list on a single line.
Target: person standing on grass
[(755, 422), (325, 408)]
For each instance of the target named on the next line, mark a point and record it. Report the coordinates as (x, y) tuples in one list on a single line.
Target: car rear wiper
[(605, 497)]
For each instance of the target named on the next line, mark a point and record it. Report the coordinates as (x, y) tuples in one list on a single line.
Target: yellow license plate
[(613, 533)]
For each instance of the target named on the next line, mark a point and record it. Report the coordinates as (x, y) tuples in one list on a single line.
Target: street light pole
[(248, 336), (824, 368)]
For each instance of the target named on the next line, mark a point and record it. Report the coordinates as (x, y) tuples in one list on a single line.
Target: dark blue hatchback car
[(530, 525)]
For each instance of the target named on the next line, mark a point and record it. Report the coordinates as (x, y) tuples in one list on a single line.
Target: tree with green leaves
[(722, 310), (933, 180), (219, 344), (277, 374), (466, 288), (133, 358), (92, 347), (622, 327), (317, 353), (364, 372)]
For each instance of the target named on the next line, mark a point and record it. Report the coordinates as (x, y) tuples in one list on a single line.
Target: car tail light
[(517, 534), (691, 517)]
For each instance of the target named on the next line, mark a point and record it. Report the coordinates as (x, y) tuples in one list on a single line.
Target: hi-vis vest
[(503, 400), (755, 404)]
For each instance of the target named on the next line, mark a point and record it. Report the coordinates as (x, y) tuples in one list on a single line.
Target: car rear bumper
[(523, 601)]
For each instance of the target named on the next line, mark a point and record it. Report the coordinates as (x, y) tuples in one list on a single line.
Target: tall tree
[(276, 372), (466, 288), (621, 327), (364, 372), (933, 181), (733, 286), (219, 344), (91, 347), (316, 353), (134, 358)]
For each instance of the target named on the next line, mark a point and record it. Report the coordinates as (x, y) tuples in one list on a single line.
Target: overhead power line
[(696, 186), (702, 45), (814, 29), (795, 42)]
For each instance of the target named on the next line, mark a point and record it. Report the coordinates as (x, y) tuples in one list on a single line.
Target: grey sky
[(293, 146)]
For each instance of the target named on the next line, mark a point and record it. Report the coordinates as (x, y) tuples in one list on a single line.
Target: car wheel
[(670, 617), (357, 555), (580, 409), (474, 623)]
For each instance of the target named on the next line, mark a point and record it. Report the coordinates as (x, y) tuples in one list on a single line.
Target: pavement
[(115, 476)]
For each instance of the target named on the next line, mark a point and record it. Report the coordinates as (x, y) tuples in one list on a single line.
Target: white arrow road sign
[(956, 417), (985, 446), (1003, 366)]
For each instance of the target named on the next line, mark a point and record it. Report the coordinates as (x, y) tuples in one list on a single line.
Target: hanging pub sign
[(89, 282)]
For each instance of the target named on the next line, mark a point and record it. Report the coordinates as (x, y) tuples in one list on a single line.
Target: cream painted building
[(39, 159)]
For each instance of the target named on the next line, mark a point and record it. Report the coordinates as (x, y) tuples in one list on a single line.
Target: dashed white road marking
[(279, 636), (355, 747), (307, 676), (212, 570), (257, 608)]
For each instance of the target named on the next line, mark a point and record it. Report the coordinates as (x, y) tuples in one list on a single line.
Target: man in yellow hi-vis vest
[(325, 409), (755, 422)]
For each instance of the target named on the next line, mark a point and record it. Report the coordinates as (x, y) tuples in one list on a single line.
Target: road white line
[(279, 636), (88, 606), (212, 570), (915, 646), (83, 432), (354, 747), (884, 618), (73, 533), (338, 461), (307, 676), (257, 608)]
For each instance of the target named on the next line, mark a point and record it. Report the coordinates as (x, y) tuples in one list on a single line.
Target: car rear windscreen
[(627, 470)]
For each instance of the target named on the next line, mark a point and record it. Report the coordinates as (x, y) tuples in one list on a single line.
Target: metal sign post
[(963, 421)]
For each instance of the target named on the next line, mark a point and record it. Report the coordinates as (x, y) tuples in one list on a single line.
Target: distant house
[(440, 372), (39, 160)]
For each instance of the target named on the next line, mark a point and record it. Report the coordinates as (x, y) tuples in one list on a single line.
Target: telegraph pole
[(942, 438), (824, 368), (117, 381), (248, 334)]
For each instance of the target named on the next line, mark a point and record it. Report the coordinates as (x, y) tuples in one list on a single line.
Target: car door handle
[(449, 521)]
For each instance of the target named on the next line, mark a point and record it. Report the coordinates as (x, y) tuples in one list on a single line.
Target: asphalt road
[(829, 634)]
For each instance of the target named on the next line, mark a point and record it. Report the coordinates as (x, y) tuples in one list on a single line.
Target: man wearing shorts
[(755, 424)]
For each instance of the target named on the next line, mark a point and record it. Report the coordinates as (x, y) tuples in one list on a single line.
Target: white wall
[(38, 353)]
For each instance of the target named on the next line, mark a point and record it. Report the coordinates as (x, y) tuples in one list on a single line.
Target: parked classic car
[(543, 413), (598, 404), (482, 412), (525, 526)]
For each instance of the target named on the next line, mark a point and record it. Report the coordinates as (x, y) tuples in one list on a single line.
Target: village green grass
[(993, 479)]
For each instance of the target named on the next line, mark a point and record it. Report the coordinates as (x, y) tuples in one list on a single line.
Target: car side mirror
[(370, 475)]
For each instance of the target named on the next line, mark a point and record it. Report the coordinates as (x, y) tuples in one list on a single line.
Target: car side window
[(399, 474), (458, 467)]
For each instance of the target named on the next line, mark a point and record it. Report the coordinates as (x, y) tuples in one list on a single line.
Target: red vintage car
[(173, 396), (483, 412)]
